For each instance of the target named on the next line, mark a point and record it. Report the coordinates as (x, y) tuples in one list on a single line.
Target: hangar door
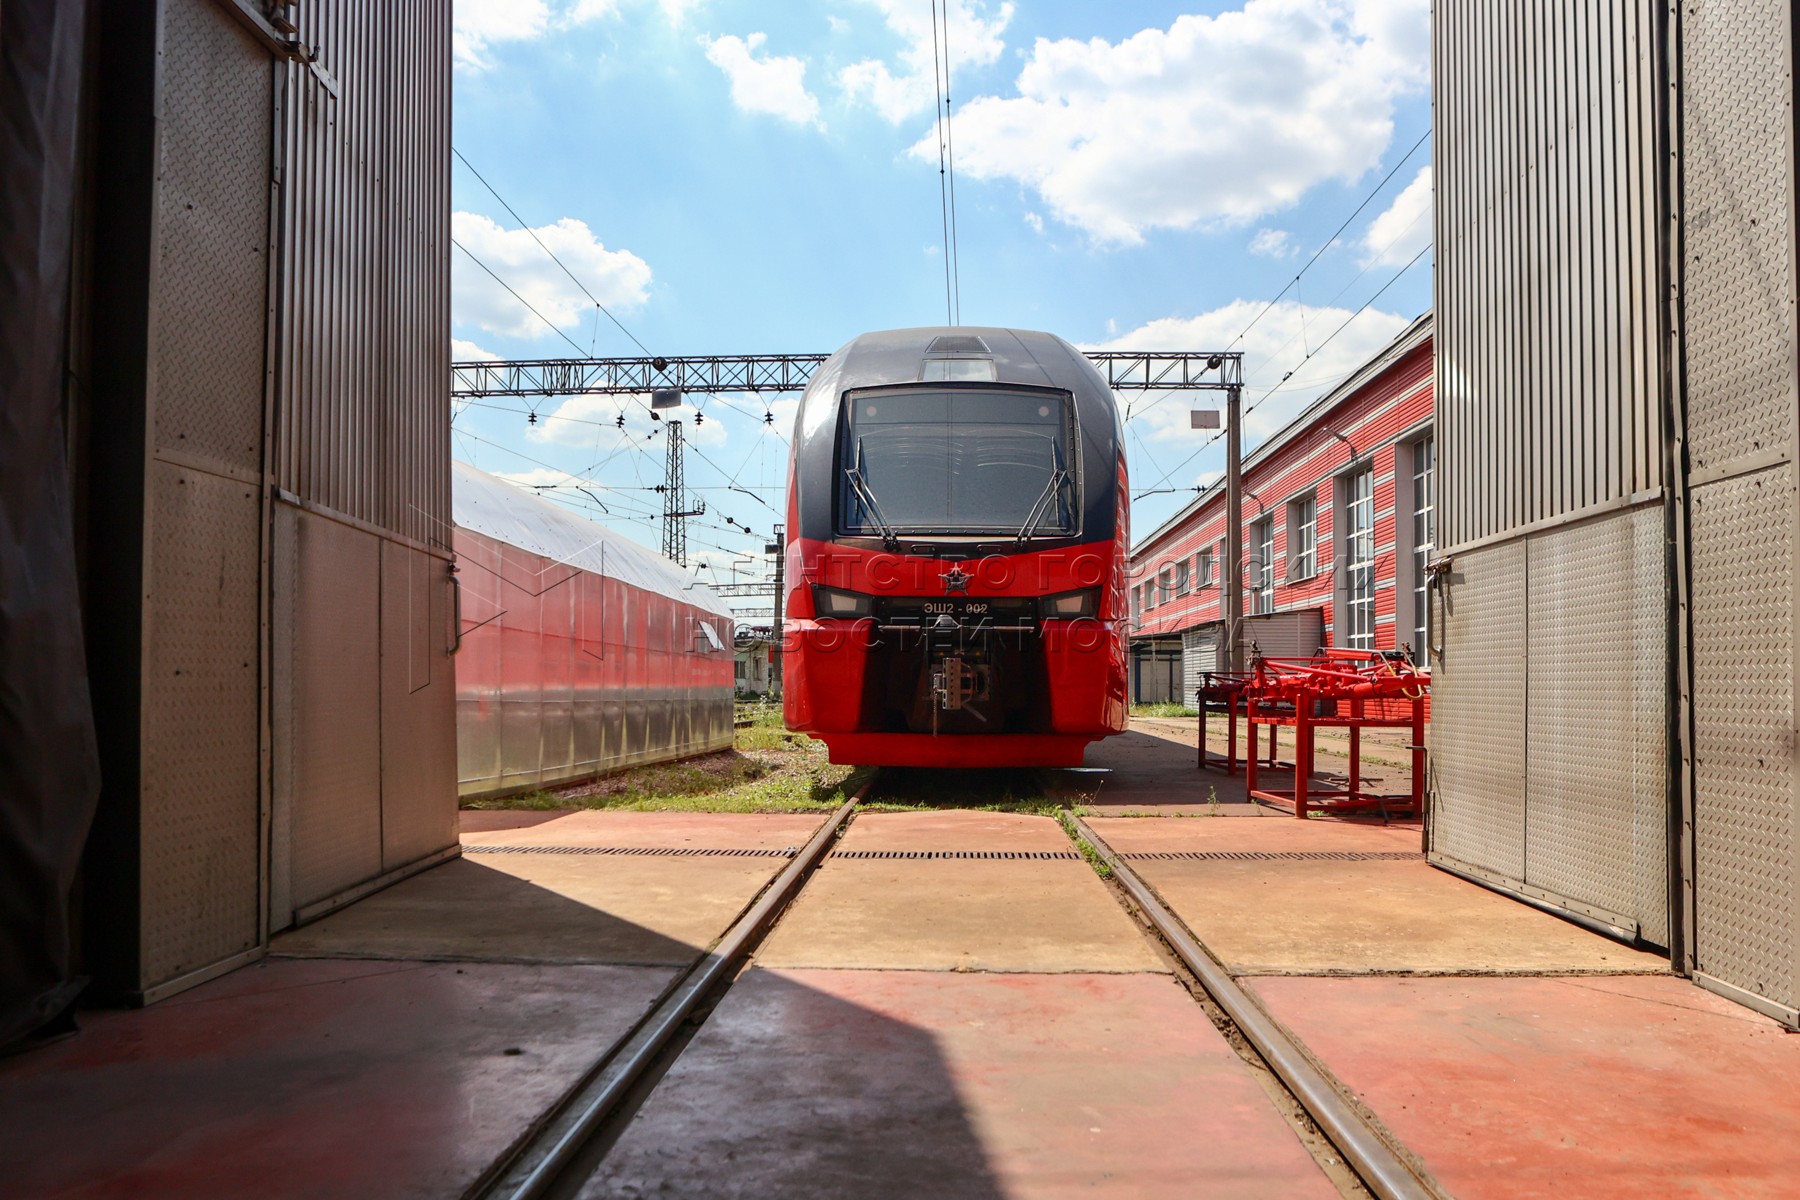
[(1736, 125)]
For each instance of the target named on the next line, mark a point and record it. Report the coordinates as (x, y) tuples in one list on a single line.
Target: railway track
[(561, 1151)]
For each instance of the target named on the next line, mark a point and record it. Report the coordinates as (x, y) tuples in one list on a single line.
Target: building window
[(1262, 566), (1165, 586), (1303, 537), (1359, 560), (1203, 569), (1181, 578), (1424, 540)]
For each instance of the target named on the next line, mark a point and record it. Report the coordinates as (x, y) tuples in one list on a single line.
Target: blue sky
[(736, 178)]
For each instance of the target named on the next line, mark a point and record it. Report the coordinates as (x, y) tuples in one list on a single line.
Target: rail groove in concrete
[(538, 1162), (1386, 1172)]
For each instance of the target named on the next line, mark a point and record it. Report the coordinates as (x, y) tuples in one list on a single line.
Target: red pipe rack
[(1344, 689)]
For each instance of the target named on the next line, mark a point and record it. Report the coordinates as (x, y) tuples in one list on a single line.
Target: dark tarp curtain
[(49, 775)]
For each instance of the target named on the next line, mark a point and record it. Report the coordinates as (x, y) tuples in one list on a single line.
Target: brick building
[(1338, 526)]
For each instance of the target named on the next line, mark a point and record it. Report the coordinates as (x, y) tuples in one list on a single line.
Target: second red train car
[(958, 522)]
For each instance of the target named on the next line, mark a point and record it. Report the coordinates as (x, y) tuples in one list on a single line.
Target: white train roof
[(508, 513)]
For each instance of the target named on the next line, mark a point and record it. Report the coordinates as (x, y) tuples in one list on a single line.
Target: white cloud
[(1215, 121), (479, 24), (461, 351), (772, 85), (1036, 222), (618, 278), (1398, 234), (677, 10), (974, 30), (1276, 345), (1273, 243)]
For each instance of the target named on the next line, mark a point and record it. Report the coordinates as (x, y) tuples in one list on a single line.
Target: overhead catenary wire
[(1327, 244), (937, 101), (523, 224), (1288, 376), (950, 156), (1332, 240)]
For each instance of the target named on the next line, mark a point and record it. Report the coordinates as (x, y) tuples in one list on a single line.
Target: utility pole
[(1234, 529), (778, 548), (674, 493)]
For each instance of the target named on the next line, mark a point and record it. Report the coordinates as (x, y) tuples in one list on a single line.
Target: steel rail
[(531, 1173), (1385, 1172)]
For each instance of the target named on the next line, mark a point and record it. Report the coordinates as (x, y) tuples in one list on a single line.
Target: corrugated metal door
[(201, 789), (1199, 655), (1297, 633), (1738, 291), (1550, 714)]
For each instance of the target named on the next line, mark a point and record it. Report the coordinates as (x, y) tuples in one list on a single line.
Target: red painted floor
[(308, 1079), (903, 1084), (1596, 1087)]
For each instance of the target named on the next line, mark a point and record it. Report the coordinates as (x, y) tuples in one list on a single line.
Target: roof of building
[(508, 513), (1408, 340)]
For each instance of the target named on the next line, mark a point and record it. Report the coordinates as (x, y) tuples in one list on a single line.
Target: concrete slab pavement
[(957, 914), (1598, 1087), (309, 1079), (879, 1084), (953, 829), (1290, 912), (655, 830), (554, 908)]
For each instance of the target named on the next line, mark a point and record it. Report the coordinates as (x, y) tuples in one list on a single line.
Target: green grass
[(1101, 868), (1163, 710), (768, 770)]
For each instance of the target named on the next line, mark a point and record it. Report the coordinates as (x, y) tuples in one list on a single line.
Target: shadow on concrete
[(467, 910), (335, 1077), (792, 1092)]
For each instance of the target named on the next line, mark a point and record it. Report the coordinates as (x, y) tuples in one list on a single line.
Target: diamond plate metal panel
[(327, 753), (418, 698), (1736, 125), (1596, 776), (1744, 797), (201, 794), (1478, 713), (212, 238)]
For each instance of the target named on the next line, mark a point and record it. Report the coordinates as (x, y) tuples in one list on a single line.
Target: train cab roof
[(967, 354)]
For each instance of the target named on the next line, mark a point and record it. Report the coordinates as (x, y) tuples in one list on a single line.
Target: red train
[(958, 522)]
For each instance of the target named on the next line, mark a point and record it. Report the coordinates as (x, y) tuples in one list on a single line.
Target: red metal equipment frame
[(1345, 689), (1223, 692)]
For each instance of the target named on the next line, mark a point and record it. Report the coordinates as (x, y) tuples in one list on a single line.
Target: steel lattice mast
[(674, 491)]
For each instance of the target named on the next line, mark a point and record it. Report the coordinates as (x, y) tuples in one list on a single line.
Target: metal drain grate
[(1031, 854), (1280, 855), (657, 851)]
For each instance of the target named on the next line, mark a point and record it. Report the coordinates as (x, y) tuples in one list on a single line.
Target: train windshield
[(969, 462)]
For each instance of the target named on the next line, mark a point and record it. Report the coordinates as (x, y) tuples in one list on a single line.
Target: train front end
[(956, 557)]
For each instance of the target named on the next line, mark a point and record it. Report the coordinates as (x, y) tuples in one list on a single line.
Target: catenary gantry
[(1125, 370)]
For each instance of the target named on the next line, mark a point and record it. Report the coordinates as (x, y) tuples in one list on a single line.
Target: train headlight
[(830, 602), (1069, 605)]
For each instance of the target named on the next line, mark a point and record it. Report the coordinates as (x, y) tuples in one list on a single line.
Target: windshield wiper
[(889, 539), (1052, 489)]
